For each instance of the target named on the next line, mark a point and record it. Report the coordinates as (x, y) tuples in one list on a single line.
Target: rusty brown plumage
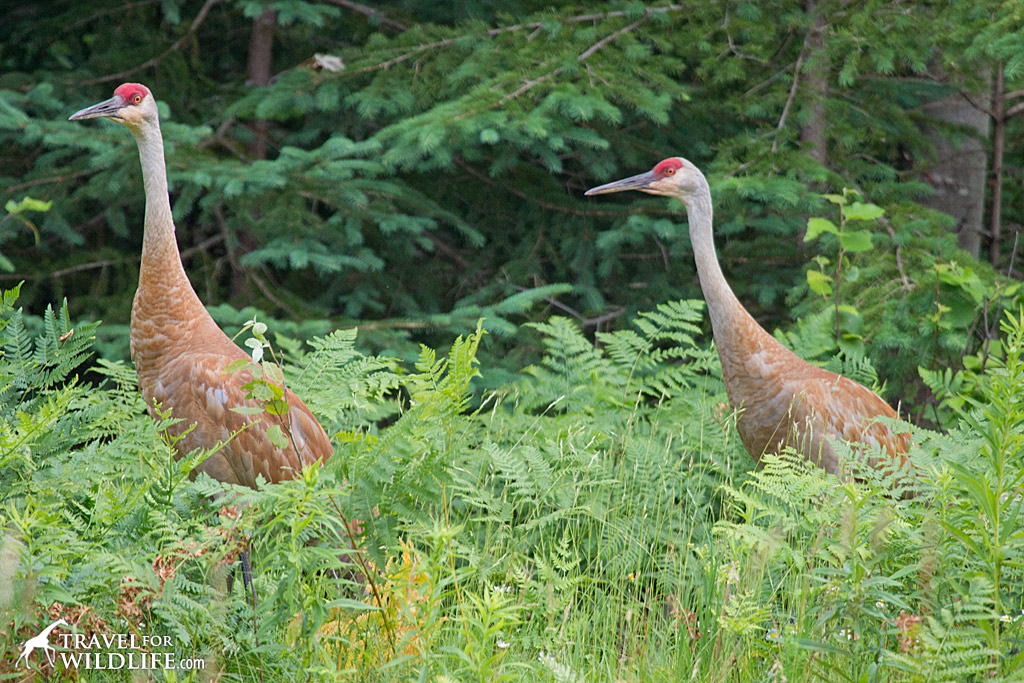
[(180, 353), (782, 400)]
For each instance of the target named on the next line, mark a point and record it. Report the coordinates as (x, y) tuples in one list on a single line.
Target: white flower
[(502, 644), (772, 636), (561, 672)]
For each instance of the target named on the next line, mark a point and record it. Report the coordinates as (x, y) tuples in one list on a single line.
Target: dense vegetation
[(528, 415)]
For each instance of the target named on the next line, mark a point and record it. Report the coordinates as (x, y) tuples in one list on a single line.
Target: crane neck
[(723, 306), (159, 244)]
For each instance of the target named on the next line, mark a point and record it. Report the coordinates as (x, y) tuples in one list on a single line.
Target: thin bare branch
[(103, 263), (370, 12), (531, 83), (789, 100), (609, 38), (110, 10), (1013, 111), (549, 205), (907, 286), (196, 23), (50, 179), (975, 103), (534, 25), (768, 80)]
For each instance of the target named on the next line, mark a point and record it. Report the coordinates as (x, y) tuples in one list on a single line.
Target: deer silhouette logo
[(41, 641)]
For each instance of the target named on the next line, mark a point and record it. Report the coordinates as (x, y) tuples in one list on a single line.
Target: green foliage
[(889, 299), (589, 517), (426, 171), (510, 534), (18, 210)]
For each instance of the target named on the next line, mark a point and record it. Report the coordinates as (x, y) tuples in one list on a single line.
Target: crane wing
[(848, 410), (786, 401), (198, 392)]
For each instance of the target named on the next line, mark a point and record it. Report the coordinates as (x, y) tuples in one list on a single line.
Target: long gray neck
[(723, 306), (159, 246)]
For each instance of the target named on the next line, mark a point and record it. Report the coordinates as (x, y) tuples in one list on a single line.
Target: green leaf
[(261, 391), (277, 437), (816, 226), (27, 204), (858, 240), (236, 365), (247, 410), (272, 373), (862, 212), (819, 282), (278, 406)]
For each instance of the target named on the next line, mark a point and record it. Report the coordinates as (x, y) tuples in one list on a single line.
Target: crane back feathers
[(180, 354), (786, 401)]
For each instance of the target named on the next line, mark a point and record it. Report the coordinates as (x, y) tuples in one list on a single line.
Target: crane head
[(131, 105), (672, 177)]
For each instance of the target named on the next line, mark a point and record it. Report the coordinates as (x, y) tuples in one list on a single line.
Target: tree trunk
[(995, 220), (261, 53), (958, 172), (812, 132)]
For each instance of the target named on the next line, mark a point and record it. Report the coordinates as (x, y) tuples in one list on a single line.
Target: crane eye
[(670, 171), (137, 98)]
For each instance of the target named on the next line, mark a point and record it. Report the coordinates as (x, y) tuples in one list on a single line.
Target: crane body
[(180, 352), (782, 400)]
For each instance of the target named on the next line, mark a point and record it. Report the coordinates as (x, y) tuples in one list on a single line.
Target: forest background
[(403, 170)]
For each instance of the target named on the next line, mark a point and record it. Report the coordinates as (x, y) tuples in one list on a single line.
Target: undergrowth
[(595, 519)]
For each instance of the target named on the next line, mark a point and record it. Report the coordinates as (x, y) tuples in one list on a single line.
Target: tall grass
[(595, 520)]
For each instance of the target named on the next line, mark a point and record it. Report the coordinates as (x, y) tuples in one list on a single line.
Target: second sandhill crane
[(180, 353), (782, 399)]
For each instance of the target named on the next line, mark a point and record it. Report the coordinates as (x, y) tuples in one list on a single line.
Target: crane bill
[(106, 109), (637, 182)]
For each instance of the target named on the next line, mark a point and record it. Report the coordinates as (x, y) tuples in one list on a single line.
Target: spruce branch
[(534, 26), (610, 37), (533, 82)]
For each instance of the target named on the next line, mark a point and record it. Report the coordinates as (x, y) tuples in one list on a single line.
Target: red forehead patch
[(664, 167), (130, 90)]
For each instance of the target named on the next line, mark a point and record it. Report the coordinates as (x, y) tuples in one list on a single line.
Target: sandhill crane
[(782, 399), (180, 353)]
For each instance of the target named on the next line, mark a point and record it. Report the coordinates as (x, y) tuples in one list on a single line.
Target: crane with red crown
[(180, 353), (783, 401)]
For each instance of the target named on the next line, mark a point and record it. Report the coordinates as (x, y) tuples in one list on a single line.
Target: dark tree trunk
[(995, 216), (958, 172), (812, 132), (261, 53)]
